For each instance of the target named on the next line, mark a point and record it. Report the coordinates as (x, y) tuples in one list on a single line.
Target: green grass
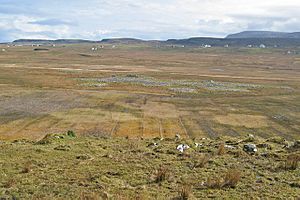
[(67, 167)]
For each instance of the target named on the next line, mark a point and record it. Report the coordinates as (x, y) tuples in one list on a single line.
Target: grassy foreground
[(68, 167)]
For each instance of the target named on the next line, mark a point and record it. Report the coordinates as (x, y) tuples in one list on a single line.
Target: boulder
[(182, 147), (250, 148)]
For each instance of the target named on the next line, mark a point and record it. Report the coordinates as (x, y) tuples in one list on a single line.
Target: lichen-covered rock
[(250, 148)]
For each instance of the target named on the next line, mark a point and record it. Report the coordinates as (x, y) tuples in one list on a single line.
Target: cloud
[(53, 22), (156, 19)]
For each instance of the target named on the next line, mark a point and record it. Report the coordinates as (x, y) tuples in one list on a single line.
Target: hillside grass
[(62, 166)]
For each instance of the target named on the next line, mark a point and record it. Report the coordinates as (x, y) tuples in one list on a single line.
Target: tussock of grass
[(27, 167), (199, 161), (231, 179), (131, 169), (292, 162), (185, 192), (161, 174), (221, 149)]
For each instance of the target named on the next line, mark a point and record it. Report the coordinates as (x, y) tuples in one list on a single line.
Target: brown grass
[(37, 101), (10, 183), (185, 192), (214, 182), (221, 150), (200, 161), (231, 178), (91, 196), (292, 161), (27, 167), (249, 121), (161, 174)]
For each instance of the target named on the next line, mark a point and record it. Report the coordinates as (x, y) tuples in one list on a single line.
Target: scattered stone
[(250, 138), (250, 148), (108, 156), (198, 145), (59, 137), (229, 146), (181, 86), (154, 144), (182, 147)]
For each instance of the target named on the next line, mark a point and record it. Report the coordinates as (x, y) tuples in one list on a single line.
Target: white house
[(262, 46)]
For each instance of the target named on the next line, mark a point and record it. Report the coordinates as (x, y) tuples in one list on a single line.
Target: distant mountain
[(122, 40), (236, 42), (243, 39), (263, 34)]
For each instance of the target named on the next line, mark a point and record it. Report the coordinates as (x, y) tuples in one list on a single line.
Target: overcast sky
[(145, 19)]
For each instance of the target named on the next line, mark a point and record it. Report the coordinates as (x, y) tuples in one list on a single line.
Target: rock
[(198, 145), (182, 147), (59, 137), (229, 146), (250, 138), (108, 156), (154, 144), (250, 148)]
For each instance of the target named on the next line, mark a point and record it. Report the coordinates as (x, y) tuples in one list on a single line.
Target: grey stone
[(250, 148)]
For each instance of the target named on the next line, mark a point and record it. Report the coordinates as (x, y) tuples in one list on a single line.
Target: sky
[(144, 19)]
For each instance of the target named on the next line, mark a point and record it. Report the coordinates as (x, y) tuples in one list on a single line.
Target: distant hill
[(60, 41), (122, 40), (237, 42), (78, 41), (263, 34), (243, 39)]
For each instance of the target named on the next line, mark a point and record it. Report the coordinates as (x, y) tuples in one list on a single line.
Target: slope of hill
[(123, 41), (263, 34), (238, 42), (62, 166)]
